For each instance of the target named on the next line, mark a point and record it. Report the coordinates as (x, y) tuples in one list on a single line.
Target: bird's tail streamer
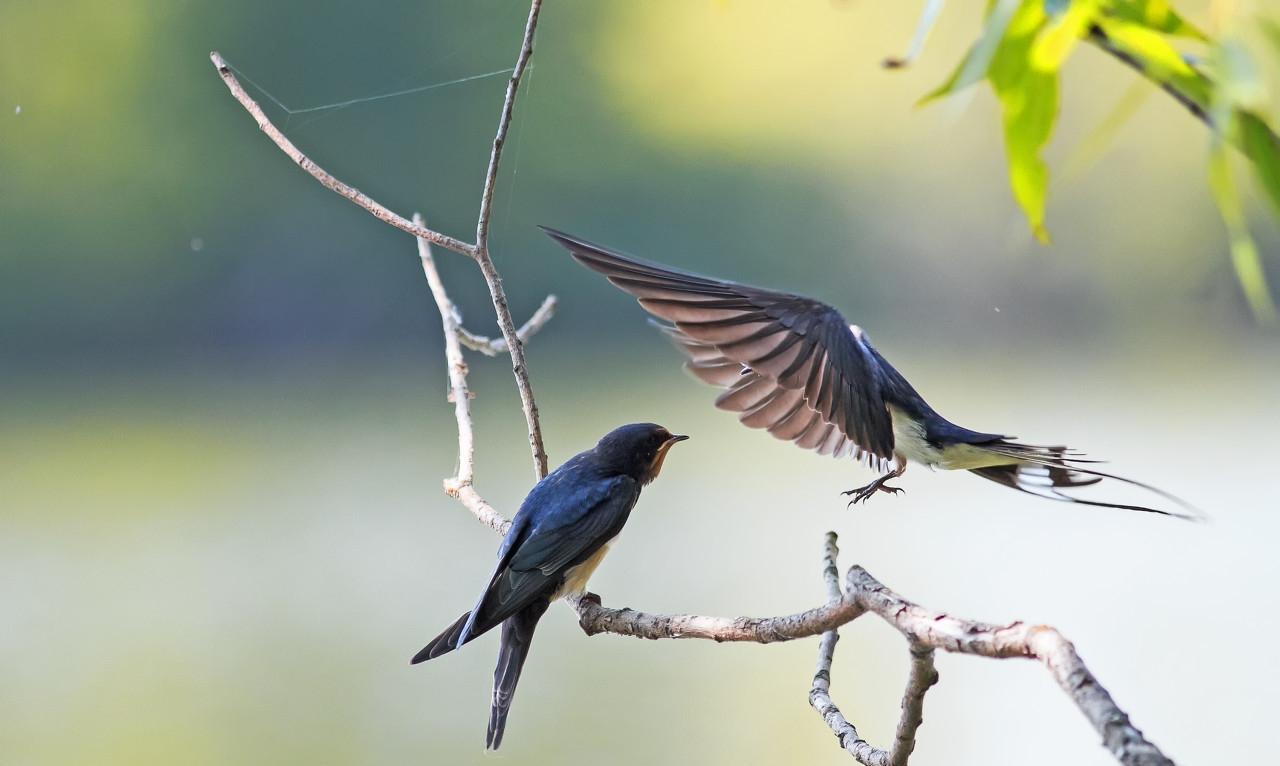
[(1048, 471), (517, 635), (444, 643)]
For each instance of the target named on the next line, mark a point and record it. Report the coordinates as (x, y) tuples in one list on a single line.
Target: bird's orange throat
[(656, 467)]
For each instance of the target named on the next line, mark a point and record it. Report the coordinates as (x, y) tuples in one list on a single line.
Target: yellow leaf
[(1057, 41)]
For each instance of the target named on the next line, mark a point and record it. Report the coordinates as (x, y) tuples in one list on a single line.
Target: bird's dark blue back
[(564, 519), (566, 496)]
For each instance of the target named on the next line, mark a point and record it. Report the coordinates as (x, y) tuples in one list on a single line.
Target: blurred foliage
[(1023, 46), (146, 223)]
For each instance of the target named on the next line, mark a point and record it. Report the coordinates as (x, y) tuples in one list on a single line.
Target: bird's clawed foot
[(862, 494)]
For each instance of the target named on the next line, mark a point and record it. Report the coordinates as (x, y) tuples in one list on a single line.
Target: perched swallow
[(557, 539), (794, 366)]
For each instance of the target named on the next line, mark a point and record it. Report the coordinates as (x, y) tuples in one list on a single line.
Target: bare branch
[(379, 211), (504, 123), (820, 695), (459, 485), (479, 507), (495, 346), (922, 676), (1104, 43), (830, 569), (478, 251), (458, 392), (595, 618), (924, 629), (514, 346), (1017, 639)]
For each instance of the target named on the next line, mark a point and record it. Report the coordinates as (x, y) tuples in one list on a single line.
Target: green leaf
[(1160, 62), (1244, 253), (1156, 15), (973, 67), (1259, 143), (1028, 95), (1029, 106), (1153, 49), (1239, 98)]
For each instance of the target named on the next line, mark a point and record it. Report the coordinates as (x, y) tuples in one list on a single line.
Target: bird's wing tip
[(558, 235)]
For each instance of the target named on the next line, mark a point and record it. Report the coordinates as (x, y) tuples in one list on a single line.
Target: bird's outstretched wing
[(791, 364)]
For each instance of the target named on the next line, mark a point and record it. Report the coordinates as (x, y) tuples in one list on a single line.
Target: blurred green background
[(223, 422)]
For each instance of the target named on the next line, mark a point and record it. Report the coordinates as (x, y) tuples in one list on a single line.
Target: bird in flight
[(793, 366), (557, 539)]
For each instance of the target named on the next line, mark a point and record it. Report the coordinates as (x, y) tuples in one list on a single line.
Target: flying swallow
[(796, 367), (557, 539)]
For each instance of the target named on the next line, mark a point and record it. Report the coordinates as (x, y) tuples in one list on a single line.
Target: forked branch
[(479, 251), (491, 278), (326, 179), (495, 346)]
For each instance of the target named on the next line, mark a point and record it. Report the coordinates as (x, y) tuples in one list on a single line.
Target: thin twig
[(479, 251), (921, 676), (514, 347), (495, 346), (820, 694), (504, 123), (459, 485), (1104, 43), (327, 180)]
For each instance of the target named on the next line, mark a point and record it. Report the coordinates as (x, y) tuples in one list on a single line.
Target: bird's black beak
[(676, 438)]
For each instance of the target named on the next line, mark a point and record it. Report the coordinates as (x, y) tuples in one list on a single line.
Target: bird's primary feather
[(811, 380)]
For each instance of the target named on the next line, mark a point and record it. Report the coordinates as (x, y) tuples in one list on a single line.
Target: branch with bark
[(924, 631), (478, 252)]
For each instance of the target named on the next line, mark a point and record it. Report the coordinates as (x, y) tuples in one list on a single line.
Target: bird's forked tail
[(517, 635), (1048, 471), (446, 642)]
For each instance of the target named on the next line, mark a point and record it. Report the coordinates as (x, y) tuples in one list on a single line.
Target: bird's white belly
[(909, 440), (575, 578)]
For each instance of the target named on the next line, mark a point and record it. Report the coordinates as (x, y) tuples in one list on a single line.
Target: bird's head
[(636, 450)]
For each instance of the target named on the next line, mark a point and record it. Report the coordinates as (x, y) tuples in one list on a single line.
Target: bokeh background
[(222, 396)]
